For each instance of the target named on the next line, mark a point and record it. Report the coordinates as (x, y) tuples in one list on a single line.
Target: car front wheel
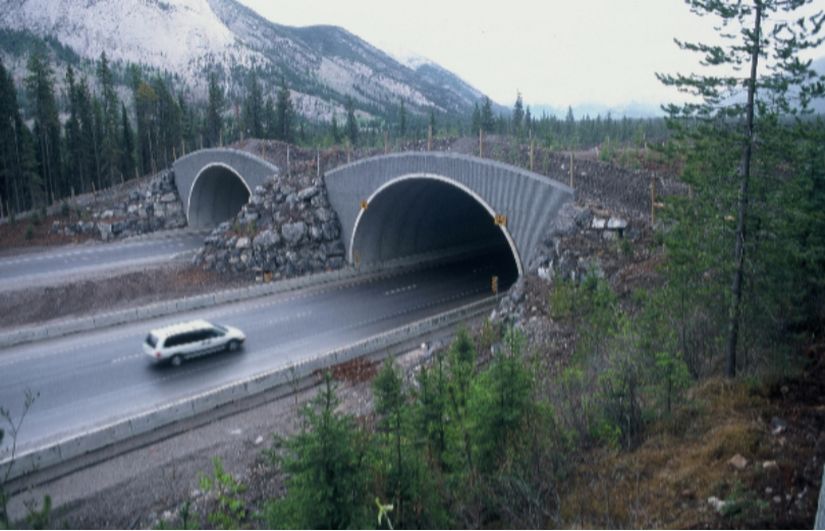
[(233, 346), (176, 360)]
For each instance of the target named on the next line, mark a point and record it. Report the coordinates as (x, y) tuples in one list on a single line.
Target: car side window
[(172, 341)]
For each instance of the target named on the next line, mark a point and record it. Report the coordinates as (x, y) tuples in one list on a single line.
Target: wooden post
[(348, 152), (652, 201), (532, 148), (480, 142), (317, 163), (386, 143), (429, 138), (287, 160), (571, 169)]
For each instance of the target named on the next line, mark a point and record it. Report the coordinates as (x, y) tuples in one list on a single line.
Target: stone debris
[(778, 426), (717, 504), (738, 462), (770, 465)]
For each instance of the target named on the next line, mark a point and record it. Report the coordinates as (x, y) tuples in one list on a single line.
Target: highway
[(20, 270), (89, 379)]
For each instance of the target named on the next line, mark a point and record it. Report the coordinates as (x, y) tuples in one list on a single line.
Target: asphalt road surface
[(89, 379), (19, 271)]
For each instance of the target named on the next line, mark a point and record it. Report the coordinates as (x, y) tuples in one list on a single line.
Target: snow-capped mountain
[(323, 65)]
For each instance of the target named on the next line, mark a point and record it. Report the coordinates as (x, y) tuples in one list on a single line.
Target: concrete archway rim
[(446, 180)]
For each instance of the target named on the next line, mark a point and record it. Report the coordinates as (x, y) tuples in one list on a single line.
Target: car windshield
[(151, 340), (220, 329)]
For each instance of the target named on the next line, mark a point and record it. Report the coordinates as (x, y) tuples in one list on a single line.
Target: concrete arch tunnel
[(410, 204), (399, 206), (213, 184)]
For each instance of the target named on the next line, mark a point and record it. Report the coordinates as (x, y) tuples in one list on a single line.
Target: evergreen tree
[(74, 149), (433, 129), (252, 114), (501, 399), (168, 123), (270, 119), (146, 101), (336, 133), (40, 88), (327, 480), (98, 132), (14, 176), (518, 115), (110, 140), (87, 153), (402, 120), (214, 112), (487, 120), (352, 123), (475, 124), (127, 153), (724, 121), (285, 115), (528, 121)]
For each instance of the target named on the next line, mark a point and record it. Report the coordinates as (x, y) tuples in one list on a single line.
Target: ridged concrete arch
[(214, 183), (529, 201)]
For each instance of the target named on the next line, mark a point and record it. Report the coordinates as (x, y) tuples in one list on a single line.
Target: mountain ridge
[(322, 65)]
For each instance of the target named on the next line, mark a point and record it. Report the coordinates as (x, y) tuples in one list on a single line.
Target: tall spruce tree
[(127, 151), (110, 106), (40, 88), (252, 114), (15, 188), (285, 114), (487, 120), (213, 128), (717, 133), (352, 123), (518, 115)]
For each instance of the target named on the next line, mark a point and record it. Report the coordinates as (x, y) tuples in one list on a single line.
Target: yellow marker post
[(500, 220), (364, 204), (494, 285)]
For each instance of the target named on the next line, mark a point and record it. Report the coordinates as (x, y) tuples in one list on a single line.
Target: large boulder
[(293, 233)]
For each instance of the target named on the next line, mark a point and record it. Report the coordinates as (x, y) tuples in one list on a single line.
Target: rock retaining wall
[(148, 207), (288, 228)]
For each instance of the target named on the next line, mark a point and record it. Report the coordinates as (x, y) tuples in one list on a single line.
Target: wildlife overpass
[(396, 206)]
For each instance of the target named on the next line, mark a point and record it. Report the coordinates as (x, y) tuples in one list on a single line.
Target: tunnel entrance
[(433, 217), (218, 193)]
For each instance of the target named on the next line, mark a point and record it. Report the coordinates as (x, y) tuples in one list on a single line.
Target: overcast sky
[(555, 52)]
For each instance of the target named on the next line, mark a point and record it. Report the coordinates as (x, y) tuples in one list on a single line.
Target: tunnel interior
[(417, 216), (218, 194)]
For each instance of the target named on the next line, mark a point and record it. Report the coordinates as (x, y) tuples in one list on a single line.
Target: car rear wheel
[(233, 345), (176, 360)]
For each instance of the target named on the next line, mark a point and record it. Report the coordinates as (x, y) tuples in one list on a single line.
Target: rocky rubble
[(583, 239), (287, 228), (150, 207)]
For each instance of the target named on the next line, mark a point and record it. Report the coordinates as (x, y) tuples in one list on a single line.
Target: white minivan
[(178, 342)]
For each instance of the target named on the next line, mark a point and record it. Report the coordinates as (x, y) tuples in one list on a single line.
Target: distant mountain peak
[(323, 65)]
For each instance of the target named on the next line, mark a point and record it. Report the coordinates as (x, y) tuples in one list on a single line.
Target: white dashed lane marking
[(403, 289)]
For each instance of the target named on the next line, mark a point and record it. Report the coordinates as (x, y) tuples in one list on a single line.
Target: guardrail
[(53, 454)]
